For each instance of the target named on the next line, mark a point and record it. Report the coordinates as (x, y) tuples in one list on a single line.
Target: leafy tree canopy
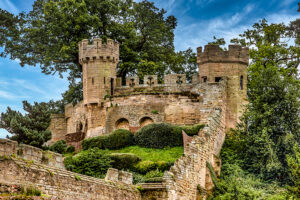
[(271, 124), (30, 128), (49, 34)]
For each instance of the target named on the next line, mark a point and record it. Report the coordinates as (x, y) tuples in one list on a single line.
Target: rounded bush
[(70, 149), (124, 160), (93, 162), (116, 140), (145, 166), (158, 136), (59, 147)]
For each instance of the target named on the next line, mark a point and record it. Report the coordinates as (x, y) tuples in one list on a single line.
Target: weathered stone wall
[(99, 64), (189, 178), (62, 184), (58, 127), (215, 64), (33, 154)]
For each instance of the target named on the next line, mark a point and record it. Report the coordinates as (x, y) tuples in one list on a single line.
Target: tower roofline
[(214, 54), (98, 50)]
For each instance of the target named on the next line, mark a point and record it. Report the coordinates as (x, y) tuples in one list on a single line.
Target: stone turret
[(99, 62), (214, 63)]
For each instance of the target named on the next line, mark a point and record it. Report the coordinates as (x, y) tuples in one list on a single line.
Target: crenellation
[(214, 54)]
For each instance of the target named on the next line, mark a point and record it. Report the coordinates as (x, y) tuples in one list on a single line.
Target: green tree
[(184, 62), (49, 34), (271, 125), (30, 128)]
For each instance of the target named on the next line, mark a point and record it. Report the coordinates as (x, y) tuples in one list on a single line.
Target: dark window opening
[(112, 86), (241, 82), (218, 79), (204, 78), (92, 81), (104, 80)]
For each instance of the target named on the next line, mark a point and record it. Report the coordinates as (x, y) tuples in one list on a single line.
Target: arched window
[(241, 82), (145, 121), (122, 123)]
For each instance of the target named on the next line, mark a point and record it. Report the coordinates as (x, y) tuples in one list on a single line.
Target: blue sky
[(198, 22)]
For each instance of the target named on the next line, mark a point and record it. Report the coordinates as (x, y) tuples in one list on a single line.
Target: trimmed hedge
[(93, 162), (124, 160), (144, 167), (162, 135), (118, 139), (157, 136)]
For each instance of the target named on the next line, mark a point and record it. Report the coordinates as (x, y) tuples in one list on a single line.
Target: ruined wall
[(189, 178), (29, 166), (30, 153), (58, 128), (64, 185)]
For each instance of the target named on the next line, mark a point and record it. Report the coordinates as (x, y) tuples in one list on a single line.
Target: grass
[(168, 154)]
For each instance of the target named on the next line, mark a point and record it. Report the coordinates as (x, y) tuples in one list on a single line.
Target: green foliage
[(271, 125), (124, 160), (59, 147), (168, 155), (163, 135), (157, 136), (31, 128), (70, 149), (145, 166), (189, 130), (31, 191), (294, 170), (93, 162), (154, 112), (144, 32), (118, 139), (77, 178)]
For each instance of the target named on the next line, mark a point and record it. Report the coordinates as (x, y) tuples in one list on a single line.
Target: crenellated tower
[(215, 63), (99, 63)]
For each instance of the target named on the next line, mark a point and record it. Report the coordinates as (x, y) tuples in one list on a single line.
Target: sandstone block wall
[(64, 185), (11, 148)]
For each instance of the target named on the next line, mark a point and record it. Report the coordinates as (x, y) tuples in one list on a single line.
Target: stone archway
[(145, 121), (122, 123)]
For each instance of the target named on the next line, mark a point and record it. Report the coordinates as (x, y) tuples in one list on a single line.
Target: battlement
[(213, 54), (98, 50)]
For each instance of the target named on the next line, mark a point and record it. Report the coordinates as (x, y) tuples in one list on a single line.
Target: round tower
[(214, 63), (99, 63)]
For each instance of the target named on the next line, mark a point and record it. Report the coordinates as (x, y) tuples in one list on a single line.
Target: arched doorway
[(145, 121), (122, 123)]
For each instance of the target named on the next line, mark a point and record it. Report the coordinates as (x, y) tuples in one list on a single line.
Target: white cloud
[(202, 32), (9, 95)]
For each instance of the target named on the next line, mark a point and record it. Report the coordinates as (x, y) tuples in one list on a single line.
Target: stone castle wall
[(25, 166), (33, 154), (62, 184), (189, 178), (135, 110)]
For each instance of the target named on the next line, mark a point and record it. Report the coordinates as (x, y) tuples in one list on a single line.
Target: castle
[(108, 105), (215, 97)]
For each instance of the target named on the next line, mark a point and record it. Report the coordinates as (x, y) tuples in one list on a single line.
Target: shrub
[(70, 149), (124, 160), (118, 139), (93, 162), (145, 166), (157, 136), (59, 147), (162, 135), (163, 165)]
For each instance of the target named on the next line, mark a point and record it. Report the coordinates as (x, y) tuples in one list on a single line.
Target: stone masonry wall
[(189, 178), (63, 185), (30, 153)]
